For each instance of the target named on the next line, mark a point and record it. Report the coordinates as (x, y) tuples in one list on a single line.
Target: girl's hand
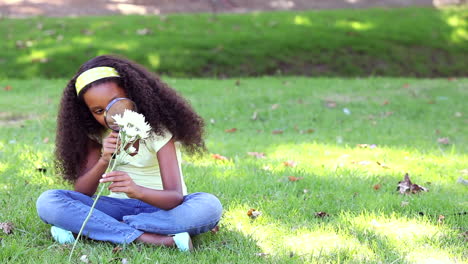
[(109, 145), (121, 182)]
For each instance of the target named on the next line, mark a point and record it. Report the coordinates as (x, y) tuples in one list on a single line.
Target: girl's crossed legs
[(123, 221)]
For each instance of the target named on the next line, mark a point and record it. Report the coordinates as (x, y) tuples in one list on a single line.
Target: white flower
[(133, 124), (119, 120), (131, 131)]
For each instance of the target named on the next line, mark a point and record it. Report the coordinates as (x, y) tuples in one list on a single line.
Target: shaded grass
[(418, 42), (403, 117)]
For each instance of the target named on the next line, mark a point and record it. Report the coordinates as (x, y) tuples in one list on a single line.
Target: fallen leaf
[(46, 140), (7, 88), (277, 132), (143, 31), (362, 162), (444, 141), (290, 163), (321, 214), (238, 82), (259, 155), (87, 32), (253, 213), (219, 157), (330, 104), (377, 187), (440, 220), (366, 146), (386, 102), (294, 179), (7, 227), (231, 130), (407, 187), (383, 165), (464, 235), (117, 249), (308, 131), (406, 85), (254, 115), (275, 106)]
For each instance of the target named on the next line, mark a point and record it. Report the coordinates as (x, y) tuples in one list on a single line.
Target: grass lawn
[(419, 42), (306, 128)]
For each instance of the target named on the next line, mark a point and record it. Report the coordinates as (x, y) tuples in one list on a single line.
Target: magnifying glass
[(117, 107)]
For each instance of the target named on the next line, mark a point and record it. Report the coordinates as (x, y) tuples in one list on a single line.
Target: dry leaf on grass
[(366, 146), (307, 131), (330, 104), (294, 179), (277, 132), (377, 187), (440, 220), (254, 115), (7, 227), (444, 141), (231, 130), (407, 187), (7, 88), (290, 163), (219, 157), (259, 155), (117, 249), (321, 214), (253, 213), (383, 165)]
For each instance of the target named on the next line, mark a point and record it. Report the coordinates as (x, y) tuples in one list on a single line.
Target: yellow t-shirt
[(143, 167)]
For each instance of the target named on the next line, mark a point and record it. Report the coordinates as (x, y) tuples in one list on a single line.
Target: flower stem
[(110, 167)]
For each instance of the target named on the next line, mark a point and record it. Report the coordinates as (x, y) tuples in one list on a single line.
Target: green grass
[(417, 42), (403, 117)]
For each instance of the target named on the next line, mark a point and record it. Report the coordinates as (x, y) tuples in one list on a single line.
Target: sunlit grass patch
[(342, 165)]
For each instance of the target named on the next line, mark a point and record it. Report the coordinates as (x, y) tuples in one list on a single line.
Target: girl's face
[(99, 96)]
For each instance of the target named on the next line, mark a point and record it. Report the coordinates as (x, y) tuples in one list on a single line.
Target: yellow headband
[(92, 75)]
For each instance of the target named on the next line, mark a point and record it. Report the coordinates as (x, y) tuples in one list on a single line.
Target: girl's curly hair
[(162, 107)]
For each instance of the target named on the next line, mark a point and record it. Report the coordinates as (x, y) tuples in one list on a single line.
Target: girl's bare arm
[(95, 164)]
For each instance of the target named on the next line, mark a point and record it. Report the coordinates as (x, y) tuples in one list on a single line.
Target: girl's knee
[(211, 203), (46, 204)]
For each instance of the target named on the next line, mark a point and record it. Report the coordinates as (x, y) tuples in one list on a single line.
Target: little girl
[(149, 201)]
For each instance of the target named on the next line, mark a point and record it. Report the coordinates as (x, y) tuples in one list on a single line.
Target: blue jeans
[(121, 221)]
